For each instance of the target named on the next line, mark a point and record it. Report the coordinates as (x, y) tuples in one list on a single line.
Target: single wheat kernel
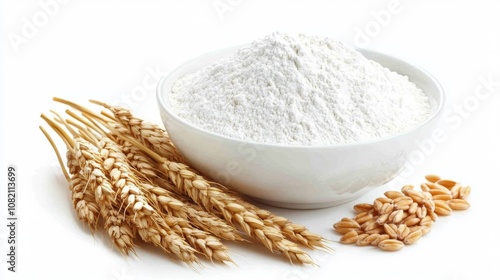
[(386, 208), (384, 199), (430, 205), (403, 231), (455, 191), (405, 188), (412, 221), (421, 212), (442, 197), (346, 225), (425, 230), (349, 238), (424, 187), (393, 194), (449, 184), (377, 205), (391, 245), (365, 239), (363, 207), (398, 217), (426, 221), (380, 238), (369, 225), (413, 208), (391, 230), (432, 215), (371, 238), (378, 230), (464, 192), (416, 196), (442, 208), (438, 191), (432, 178), (383, 218), (434, 186), (403, 203), (412, 237), (363, 217), (427, 196), (348, 222), (362, 237), (458, 204)]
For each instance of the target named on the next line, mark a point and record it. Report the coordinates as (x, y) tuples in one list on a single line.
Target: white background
[(105, 50)]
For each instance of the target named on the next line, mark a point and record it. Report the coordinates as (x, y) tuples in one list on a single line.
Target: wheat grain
[(166, 200), (413, 220), (402, 203), (432, 178), (363, 217), (151, 135), (380, 238), (426, 221), (363, 207), (442, 197), (378, 230), (391, 245), (442, 208), (412, 237), (413, 208), (464, 192), (362, 240), (391, 230), (403, 216), (346, 226), (424, 187), (405, 188), (387, 208), (151, 227), (84, 202), (349, 237), (421, 212), (449, 184), (294, 232), (210, 246), (402, 231), (393, 194), (372, 237), (383, 218), (458, 204), (213, 199)]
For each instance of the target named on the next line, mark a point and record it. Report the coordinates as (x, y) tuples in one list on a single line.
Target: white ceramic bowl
[(299, 177)]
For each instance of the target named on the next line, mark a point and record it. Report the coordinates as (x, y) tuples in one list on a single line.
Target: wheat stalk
[(203, 241), (151, 135), (151, 226), (84, 202), (295, 232), (83, 196), (208, 245), (115, 224), (214, 199), (149, 149)]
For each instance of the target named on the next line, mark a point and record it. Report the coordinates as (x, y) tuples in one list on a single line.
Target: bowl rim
[(437, 112)]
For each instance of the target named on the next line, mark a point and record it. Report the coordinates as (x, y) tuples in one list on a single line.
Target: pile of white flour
[(299, 90)]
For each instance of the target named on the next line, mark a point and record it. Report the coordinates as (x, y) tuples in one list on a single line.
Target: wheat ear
[(83, 199), (151, 226), (151, 135), (214, 199)]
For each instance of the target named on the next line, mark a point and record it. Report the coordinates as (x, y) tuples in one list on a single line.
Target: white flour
[(299, 90)]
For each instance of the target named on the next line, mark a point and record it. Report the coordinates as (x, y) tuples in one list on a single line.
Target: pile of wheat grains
[(400, 218), (126, 176)]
